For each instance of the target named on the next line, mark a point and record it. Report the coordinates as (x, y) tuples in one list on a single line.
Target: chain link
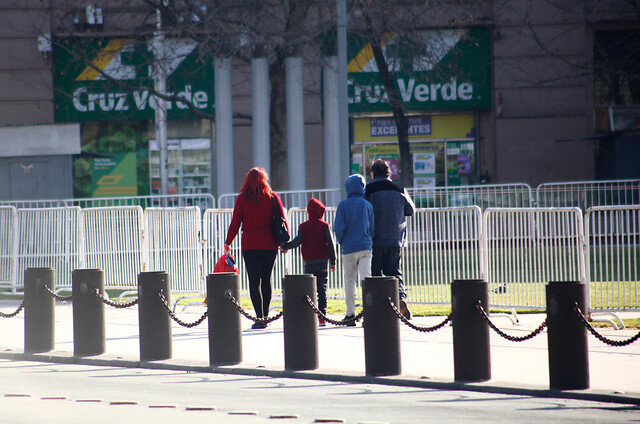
[(178, 320), (616, 343), (13, 314), (346, 321), (55, 295), (246, 314), (114, 304), (415, 327), (507, 336)]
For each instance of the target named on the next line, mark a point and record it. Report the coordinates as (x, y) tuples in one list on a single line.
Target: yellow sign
[(442, 127)]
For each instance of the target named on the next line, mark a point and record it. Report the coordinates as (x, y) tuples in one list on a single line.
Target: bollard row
[(566, 325)]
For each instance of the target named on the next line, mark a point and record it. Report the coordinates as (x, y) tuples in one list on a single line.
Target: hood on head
[(354, 184), (315, 209)]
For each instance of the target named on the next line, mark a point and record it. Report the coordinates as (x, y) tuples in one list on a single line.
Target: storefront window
[(442, 148)]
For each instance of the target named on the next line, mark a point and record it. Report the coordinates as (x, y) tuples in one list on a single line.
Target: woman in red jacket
[(254, 211)]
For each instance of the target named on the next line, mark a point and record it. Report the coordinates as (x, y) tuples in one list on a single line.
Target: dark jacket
[(391, 204)]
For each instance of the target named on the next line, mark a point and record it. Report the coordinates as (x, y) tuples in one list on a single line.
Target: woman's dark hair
[(380, 168)]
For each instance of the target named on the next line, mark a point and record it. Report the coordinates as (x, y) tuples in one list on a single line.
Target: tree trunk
[(395, 102), (278, 124)]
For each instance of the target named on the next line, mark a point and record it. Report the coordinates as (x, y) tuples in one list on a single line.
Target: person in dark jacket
[(391, 204), (318, 250), (253, 211)]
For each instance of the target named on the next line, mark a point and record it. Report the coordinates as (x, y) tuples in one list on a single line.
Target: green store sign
[(103, 79), (437, 70)]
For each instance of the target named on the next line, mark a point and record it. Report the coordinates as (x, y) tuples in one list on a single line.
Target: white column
[(224, 127), (332, 172), (295, 124), (260, 105), (343, 106)]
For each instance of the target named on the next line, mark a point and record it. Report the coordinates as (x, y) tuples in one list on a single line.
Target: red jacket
[(257, 232)]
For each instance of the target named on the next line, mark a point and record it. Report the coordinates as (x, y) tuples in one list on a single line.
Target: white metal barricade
[(485, 196), (8, 247), (443, 245), (172, 243), (112, 241), (585, 194), (613, 237), (49, 238), (528, 247)]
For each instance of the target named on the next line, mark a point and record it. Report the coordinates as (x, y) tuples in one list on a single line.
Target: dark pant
[(320, 271), (386, 261), (259, 265)]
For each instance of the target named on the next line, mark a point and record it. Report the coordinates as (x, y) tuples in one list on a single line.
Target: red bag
[(225, 263)]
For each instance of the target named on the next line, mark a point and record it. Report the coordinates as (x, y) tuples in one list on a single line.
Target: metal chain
[(114, 304), (415, 327), (178, 320), (246, 315), (507, 336), (13, 314), (616, 343), (346, 321), (55, 295)]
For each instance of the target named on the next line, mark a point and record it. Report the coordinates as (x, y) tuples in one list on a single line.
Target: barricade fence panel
[(585, 194), (8, 246), (112, 241), (49, 238), (613, 237), (173, 243), (442, 245), (484, 196), (526, 248)]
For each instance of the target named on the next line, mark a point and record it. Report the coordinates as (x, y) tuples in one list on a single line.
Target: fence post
[(471, 353), (39, 310), (300, 322), (88, 312), (225, 330), (381, 326), (567, 336), (154, 319)]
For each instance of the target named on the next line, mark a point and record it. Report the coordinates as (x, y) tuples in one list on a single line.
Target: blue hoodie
[(354, 218)]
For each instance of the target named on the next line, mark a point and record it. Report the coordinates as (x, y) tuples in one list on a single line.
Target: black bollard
[(567, 336), (225, 330), (300, 322), (39, 310), (154, 319), (471, 354), (381, 326), (88, 312)]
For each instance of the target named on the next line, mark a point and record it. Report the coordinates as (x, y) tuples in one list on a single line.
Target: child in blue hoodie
[(353, 227)]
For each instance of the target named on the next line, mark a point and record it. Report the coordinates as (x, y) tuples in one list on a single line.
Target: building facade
[(520, 91)]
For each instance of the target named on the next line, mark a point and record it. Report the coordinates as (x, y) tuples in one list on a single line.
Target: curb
[(58, 357)]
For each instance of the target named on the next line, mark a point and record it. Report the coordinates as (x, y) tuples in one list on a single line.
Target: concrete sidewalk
[(427, 358)]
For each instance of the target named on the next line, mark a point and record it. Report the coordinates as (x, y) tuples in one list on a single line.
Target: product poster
[(115, 175)]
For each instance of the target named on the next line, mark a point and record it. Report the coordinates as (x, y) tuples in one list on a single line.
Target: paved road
[(33, 392), (427, 358)]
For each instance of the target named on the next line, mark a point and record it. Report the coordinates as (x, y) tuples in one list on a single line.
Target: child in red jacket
[(318, 250)]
